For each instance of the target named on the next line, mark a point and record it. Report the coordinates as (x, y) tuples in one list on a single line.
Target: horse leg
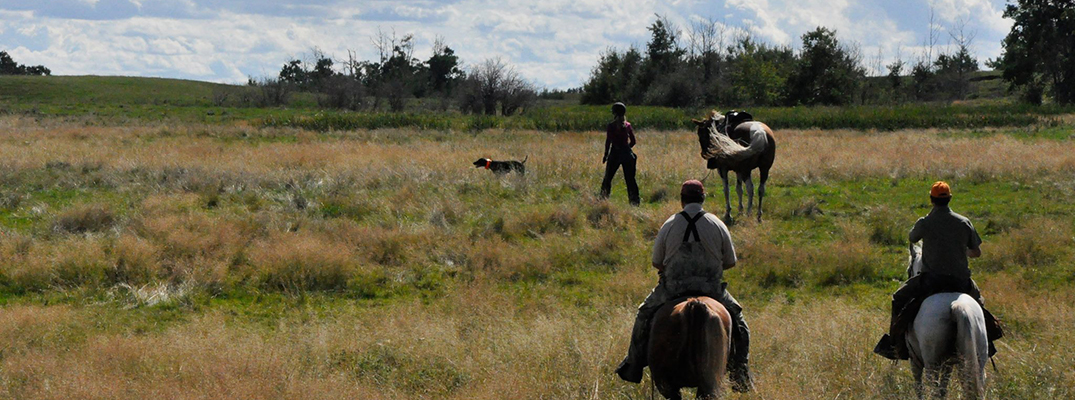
[(764, 172), (750, 192), (727, 199), (942, 383), (670, 393), (739, 190), (916, 369), (931, 381)]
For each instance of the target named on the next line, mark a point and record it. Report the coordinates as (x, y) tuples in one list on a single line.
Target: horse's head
[(715, 123), (914, 266)]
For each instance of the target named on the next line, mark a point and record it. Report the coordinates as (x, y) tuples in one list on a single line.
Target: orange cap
[(940, 190)]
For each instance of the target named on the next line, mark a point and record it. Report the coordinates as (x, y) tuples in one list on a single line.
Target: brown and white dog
[(502, 167)]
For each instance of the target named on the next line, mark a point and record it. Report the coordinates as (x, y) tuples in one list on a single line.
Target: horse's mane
[(720, 145), (914, 263)]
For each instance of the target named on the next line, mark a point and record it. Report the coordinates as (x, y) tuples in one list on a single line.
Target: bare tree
[(706, 46), (934, 35), (956, 67), (493, 82)]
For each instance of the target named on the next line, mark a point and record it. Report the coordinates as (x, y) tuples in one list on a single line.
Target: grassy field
[(180, 259)]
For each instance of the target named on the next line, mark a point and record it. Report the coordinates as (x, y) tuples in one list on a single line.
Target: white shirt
[(711, 230)]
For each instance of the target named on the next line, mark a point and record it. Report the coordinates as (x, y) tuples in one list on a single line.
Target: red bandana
[(488, 162)]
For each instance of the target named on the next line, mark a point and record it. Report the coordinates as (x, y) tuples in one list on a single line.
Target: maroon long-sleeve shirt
[(619, 136)]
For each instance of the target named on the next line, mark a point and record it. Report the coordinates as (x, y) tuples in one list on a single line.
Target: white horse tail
[(971, 344)]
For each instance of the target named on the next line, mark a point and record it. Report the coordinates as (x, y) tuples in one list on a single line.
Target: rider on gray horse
[(692, 250), (948, 240)]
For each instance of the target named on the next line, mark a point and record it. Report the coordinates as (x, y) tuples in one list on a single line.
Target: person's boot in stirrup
[(630, 368)]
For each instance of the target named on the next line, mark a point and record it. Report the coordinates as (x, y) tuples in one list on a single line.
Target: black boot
[(629, 372), (887, 349), (742, 380)]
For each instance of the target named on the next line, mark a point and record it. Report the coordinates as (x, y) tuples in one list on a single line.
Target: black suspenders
[(692, 229)]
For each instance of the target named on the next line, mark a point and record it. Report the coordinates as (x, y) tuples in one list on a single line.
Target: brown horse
[(688, 347), (713, 135)]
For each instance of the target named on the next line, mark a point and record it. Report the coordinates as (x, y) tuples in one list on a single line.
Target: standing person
[(685, 269), (948, 239), (619, 139)]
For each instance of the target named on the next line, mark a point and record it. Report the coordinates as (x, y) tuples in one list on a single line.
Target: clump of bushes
[(84, 219), (1039, 242)]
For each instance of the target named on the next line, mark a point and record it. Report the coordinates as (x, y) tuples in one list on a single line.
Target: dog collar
[(488, 162)]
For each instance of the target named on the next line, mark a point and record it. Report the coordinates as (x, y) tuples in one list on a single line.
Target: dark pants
[(616, 158)]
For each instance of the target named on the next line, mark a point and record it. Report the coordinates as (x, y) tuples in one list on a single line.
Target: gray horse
[(948, 331)]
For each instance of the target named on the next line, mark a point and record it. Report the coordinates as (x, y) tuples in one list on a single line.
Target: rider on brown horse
[(688, 269), (948, 240)]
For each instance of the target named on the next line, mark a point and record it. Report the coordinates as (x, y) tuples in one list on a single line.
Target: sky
[(552, 43)]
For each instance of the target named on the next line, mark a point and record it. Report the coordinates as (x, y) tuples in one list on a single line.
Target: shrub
[(273, 92), (886, 228), (297, 263), (10, 200), (849, 260), (135, 261), (85, 218), (1040, 242)]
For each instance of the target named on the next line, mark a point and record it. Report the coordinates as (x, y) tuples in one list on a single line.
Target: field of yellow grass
[(204, 262)]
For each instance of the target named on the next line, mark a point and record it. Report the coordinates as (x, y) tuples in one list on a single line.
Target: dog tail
[(526, 158)]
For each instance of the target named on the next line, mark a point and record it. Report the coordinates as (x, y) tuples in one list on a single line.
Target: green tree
[(826, 73), (443, 68), (757, 73), (8, 66), (293, 72), (615, 78), (954, 71), (1039, 52), (663, 52)]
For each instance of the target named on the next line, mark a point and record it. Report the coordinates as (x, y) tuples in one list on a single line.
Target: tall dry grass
[(482, 286), (478, 343)]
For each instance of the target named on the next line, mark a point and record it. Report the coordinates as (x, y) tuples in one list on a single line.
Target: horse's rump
[(950, 330), (722, 150), (689, 344)]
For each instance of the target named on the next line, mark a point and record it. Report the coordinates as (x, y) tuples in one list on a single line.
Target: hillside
[(104, 90)]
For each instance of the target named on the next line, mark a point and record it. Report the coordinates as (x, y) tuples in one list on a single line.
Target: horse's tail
[(972, 344), (698, 317), (709, 340)]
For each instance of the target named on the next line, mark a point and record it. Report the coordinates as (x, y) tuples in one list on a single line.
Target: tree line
[(397, 78), (8, 66), (712, 66)]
